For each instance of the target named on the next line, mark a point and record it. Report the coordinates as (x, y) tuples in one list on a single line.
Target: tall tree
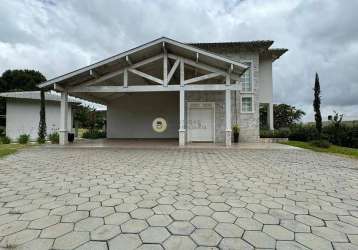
[(20, 80), (317, 106), (42, 122), (284, 115)]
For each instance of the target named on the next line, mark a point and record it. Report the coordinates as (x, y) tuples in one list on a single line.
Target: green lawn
[(351, 152), (6, 149)]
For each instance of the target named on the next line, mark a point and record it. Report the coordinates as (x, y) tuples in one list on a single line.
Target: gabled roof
[(35, 95), (259, 44), (145, 51)]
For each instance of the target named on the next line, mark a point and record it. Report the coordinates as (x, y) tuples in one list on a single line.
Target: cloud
[(58, 36)]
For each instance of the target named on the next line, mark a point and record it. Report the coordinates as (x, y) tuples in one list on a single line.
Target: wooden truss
[(161, 84)]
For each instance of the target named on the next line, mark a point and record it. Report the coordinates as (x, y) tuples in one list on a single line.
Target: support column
[(181, 117), (228, 112), (270, 116), (228, 117), (63, 133)]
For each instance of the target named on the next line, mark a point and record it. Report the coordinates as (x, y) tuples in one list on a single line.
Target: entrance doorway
[(201, 122)]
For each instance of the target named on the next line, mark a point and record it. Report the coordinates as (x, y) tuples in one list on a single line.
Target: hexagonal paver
[(150, 247), (71, 240), (163, 209), (295, 226), (266, 219), (154, 235), (45, 222), (202, 210), (126, 207), (312, 241), (89, 205), (329, 234), (20, 237), (116, 218), (134, 226), (63, 210), (277, 232), (259, 239), (206, 237), (179, 243), (248, 224), (125, 242), (224, 217), (181, 228), (235, 243), (89, 224), (203, 222), (159, 220), (75, 216), (310, 220), (219, 207), (284, 245), (38, 244), (241, 212), (56, 230), (342, 227), (182, 215), (142, 213), (229, 230), (105, 232), (102, 211), (93, 245), (35, 214), (12, 227)]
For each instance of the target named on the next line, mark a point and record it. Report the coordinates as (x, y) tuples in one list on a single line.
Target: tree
[(20, 80), (284, 115), (89, 118), (42, 123), (317, 106)]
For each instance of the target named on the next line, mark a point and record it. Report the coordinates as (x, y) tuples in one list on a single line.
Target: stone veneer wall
[(249, 122)]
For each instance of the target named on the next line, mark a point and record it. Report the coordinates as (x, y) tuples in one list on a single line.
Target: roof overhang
[(141, 53)]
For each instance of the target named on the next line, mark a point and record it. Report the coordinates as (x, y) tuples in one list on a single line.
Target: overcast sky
[(58, 36)]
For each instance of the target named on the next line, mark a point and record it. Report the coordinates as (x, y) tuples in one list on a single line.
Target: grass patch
[(333, 149), (7, 149)]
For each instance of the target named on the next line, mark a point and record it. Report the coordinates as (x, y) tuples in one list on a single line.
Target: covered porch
[(160, 90)]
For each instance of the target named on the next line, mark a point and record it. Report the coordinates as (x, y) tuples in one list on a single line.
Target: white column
[(64, 117), (228, 113), (270, 116), (181, 117)]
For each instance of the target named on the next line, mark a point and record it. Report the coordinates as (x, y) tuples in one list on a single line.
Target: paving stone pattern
[(63, 198)]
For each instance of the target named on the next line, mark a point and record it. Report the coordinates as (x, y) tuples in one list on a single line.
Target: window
[(246, 79), (247, 104)]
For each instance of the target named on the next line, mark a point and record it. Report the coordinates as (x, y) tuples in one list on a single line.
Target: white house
[(168, 89), (23, 113)]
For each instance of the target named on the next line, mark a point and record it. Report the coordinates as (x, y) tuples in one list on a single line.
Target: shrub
[(320, 143), (54, 138), (5, 140), (2, 132), (40, 140), (94, 134), (279, 133), (303, 133), (236, 129), (24, 138)]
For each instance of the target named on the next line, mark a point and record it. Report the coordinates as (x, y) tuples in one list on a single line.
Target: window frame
[(252, 104), (251, 76)]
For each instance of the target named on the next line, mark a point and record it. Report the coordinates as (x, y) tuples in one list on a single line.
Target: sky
[(58, 36)]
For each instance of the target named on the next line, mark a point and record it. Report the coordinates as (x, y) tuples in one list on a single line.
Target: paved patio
[(115, 198)]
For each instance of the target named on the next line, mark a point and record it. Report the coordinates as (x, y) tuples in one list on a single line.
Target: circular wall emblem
[(159, 125)]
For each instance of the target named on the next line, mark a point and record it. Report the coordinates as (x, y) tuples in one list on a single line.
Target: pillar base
[(228, 137), (63, 137), (181, 137)]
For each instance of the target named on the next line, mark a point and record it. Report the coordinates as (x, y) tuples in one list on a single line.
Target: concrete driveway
[(112, 198)]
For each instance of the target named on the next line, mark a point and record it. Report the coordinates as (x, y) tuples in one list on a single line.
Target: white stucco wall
[(131, 115), (266, 89), (23, 116)]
